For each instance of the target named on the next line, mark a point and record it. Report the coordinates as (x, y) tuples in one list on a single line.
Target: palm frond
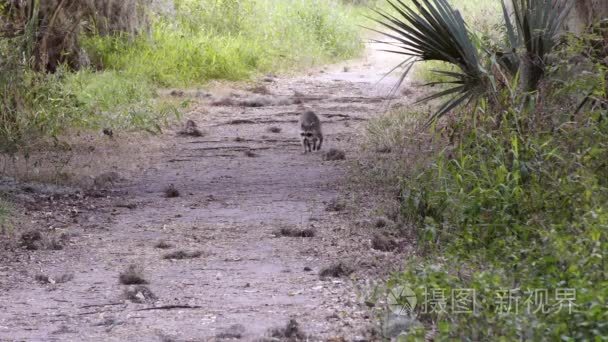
[(432, 30), (532, 32)]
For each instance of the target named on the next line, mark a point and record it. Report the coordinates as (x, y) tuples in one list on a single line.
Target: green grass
[(517, 205), (202, 41), (233, 40)]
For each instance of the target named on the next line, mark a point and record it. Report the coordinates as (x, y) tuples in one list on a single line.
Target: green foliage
[(32, 104), (35, 105), (434, 31), (518, 205), (201, 41), (484, 19), (231, 40), (537, 23)]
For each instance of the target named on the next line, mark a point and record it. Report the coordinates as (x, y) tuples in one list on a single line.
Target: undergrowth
[(510, 216), (193, 43), (232, 40)]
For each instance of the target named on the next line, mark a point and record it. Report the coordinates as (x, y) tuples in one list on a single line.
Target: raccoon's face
[(306, 134)]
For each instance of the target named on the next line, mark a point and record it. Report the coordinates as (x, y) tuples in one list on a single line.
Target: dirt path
[(238, 185)]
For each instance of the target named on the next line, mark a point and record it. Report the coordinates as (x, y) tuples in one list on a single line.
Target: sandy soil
[(235, 187)]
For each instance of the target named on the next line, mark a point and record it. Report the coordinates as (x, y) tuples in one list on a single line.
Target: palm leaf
[(535, 32), (432, 30)]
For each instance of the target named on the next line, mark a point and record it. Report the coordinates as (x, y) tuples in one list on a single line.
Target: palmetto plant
[(432, 30), (534, 35), (427, 30)]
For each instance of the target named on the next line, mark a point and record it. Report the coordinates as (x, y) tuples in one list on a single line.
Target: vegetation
[(229, 39), (98, 63), (510, 214)]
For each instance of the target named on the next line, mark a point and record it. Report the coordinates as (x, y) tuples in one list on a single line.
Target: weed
[(133, 275), (171, 191), (513, 200), (225, 40)]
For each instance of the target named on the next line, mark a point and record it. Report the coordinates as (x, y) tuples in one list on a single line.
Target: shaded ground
[(234, 187)]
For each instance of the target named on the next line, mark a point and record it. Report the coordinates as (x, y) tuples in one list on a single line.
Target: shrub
[(231, 40), (514, 212)]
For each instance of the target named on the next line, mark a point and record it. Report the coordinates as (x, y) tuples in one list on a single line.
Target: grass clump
[(171, 191), (133, 275)]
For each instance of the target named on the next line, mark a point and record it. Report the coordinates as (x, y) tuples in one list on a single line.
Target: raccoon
[(311, 135)]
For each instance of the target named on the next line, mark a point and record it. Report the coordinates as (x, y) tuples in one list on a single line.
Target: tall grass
[(132, 54), (232, 40)]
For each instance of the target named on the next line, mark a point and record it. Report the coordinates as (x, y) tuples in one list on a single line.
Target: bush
[(515, 213), (134, 52), (231, 40)]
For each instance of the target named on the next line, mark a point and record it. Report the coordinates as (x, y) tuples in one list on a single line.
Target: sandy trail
[(238, 184)]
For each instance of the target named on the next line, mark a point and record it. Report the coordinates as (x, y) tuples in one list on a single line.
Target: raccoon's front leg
[(306, 145), (320, 143)]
